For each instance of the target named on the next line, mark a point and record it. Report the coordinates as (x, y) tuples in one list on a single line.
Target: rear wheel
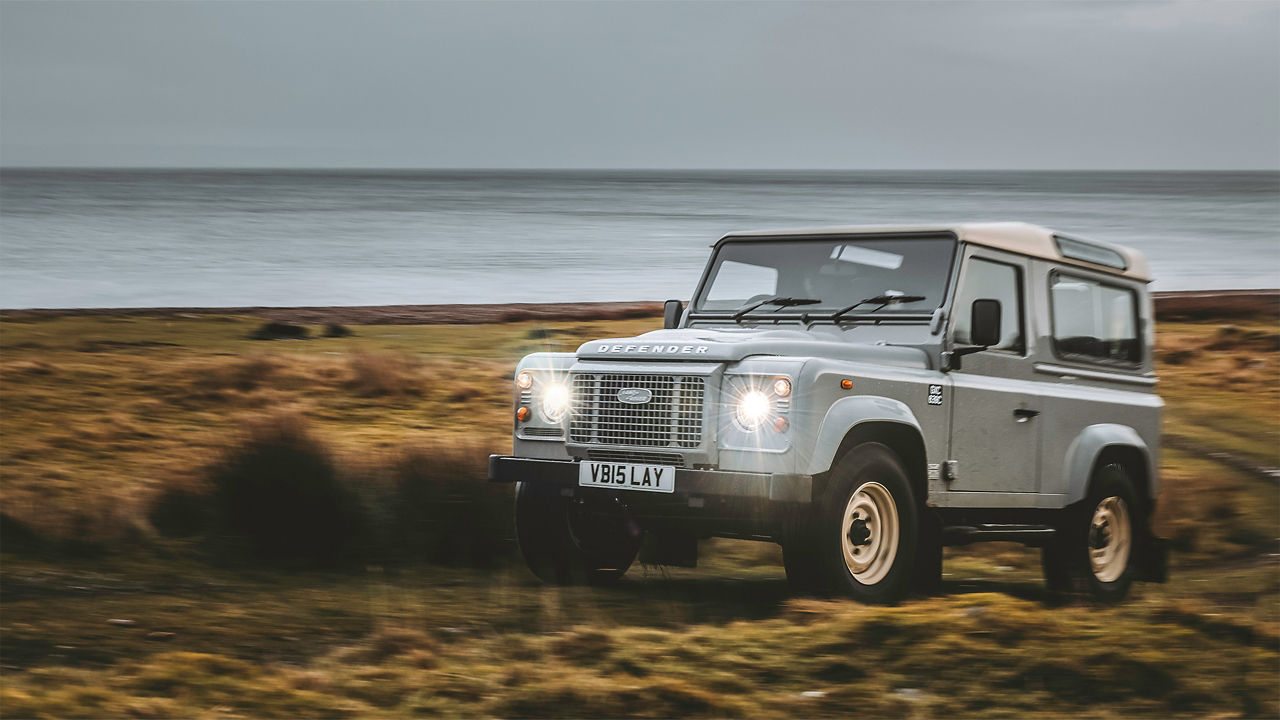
[(867, 532), (566, 542), (1094, 550)]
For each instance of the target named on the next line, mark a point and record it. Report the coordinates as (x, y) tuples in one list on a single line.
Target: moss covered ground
[(103, 616)]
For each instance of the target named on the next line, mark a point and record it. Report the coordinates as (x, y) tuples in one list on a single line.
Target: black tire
[(1068, 568), (567, 543), (870, 469)]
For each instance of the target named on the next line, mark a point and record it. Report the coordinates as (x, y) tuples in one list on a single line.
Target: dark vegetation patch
[(435, 504), (280, 495), (277, 330), (1232, 337), (107, 345)]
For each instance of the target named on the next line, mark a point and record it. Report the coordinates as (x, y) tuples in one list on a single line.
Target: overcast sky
[(648, 85)]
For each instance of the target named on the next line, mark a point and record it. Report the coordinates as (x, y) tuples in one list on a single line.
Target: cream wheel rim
[(869, 533), (1110, 539)]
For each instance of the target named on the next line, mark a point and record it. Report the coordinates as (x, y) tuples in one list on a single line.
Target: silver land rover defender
[(862, 396)]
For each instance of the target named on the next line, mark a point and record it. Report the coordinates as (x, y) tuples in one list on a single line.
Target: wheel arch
[(856, 420), (1098, 445)]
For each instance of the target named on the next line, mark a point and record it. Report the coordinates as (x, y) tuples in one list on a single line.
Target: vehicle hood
[(734, 344)]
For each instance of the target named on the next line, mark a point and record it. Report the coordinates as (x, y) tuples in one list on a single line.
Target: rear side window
[(1094, 322)]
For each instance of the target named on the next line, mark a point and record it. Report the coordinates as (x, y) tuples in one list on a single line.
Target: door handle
[(1025, 414)]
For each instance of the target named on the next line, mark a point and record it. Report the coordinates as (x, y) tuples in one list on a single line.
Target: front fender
[(1084, 450), (846, 413)]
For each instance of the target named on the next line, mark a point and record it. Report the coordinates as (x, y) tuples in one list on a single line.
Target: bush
[(279, 494), (280, 331), (442, 509)]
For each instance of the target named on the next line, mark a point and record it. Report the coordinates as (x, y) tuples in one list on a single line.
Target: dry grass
[(102, 416), (974, 655), (378, 374)]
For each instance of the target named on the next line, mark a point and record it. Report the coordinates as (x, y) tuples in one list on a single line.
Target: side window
[(1094, 322), (994, 281)]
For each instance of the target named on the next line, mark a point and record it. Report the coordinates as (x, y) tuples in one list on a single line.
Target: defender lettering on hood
[(654, 349)]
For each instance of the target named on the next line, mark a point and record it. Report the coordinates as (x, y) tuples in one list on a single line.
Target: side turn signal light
[(846, 384)]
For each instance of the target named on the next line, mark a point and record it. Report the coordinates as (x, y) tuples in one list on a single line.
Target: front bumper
[(741, 503), (704, 484)]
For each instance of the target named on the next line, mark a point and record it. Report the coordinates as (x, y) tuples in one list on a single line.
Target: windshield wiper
[(779, 301), (882, 300)]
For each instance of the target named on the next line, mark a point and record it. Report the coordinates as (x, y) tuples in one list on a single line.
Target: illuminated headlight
[(555, 401), (753, 409)]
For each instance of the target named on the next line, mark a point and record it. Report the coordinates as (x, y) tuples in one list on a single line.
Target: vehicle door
[(995, 431)]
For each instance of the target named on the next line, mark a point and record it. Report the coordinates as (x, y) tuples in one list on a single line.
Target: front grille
[(671, 418), (647, 457)]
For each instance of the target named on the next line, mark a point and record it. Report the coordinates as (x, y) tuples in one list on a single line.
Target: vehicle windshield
[(758, 278)]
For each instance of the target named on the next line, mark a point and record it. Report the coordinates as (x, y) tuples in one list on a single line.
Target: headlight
[(753, 408), (555, 401)]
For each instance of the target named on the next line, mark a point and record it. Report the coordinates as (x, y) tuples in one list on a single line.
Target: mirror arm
[(951, 358)]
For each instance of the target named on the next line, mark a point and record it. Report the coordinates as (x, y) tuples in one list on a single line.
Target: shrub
[(442, 509), (278, 492), (280, 331), (278, 495)]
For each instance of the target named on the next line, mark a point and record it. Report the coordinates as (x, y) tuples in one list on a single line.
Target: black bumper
[(689, 483)]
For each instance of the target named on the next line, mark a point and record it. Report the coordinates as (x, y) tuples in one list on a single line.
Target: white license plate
[(626, 476)]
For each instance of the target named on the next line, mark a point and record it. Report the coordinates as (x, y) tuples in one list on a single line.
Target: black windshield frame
[(880, 313)]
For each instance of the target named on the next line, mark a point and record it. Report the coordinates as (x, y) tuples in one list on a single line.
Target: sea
[(215, 238)]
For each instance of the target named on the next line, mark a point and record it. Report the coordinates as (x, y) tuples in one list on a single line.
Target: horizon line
[(354, 168)]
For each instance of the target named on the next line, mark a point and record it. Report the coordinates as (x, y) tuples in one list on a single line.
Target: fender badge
[(935, 394)]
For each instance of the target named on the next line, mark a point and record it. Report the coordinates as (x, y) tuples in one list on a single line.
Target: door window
[(985, 279)]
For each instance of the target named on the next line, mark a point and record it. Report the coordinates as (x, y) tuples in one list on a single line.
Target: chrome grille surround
[(672, 418)]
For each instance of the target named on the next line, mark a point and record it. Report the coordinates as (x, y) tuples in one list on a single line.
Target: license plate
[(626, 476)]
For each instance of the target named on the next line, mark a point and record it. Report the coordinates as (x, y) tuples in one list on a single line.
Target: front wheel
[(566, 542), (867, 533)]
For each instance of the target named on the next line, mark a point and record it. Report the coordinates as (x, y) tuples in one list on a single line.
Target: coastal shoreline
[(1181, 305)]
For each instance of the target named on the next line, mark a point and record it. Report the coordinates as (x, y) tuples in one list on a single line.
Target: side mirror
[(984, 322), (671, 312), (984, 332)]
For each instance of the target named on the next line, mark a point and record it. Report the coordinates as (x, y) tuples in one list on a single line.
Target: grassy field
[(103, 615)]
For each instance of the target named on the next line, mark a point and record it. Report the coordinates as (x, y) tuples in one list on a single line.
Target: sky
[(858, 85)]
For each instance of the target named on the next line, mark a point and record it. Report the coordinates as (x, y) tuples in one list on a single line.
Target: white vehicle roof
[(1015, 237)]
